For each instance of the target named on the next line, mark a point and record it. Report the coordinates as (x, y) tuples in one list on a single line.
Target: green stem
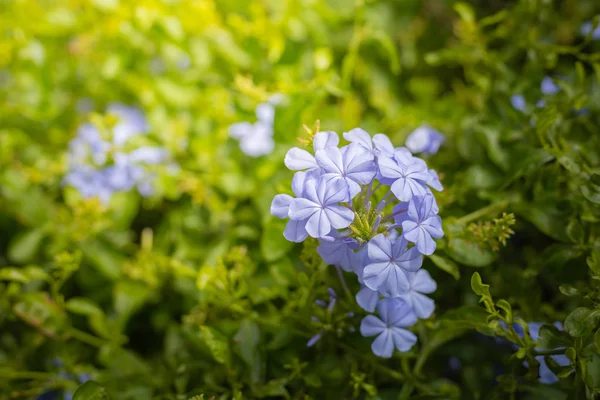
[(406, 391), (492, 208), (87, 338), (548, 352)]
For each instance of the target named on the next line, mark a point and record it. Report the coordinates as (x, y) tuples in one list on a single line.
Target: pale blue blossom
[(395, 315)]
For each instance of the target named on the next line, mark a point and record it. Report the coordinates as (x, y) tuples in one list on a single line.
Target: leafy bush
[(150, 267)]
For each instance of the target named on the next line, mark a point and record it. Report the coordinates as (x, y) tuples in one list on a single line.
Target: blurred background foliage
[(194, 291)]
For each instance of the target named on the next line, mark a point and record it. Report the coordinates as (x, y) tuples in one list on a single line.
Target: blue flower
[(338, 251), (518, 102), (352, 164), (408, 177), (367, 299), (297, 159), (424, 140), (295, 230), (256, 139), (395, 315), (422, 224), (420, 282), (548, 86), (380, 144), (131, 122), (389, 263), (586, 28), (320, 209), (91, 171)]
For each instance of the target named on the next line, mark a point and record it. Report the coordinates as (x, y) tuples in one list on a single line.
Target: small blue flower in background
[(586, 28), (424, 140), (518, 102), (99, 166), (256, 139), (383, 241), (548, 86), (395, 315)]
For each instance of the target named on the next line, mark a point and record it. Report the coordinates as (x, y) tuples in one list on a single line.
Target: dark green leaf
[(446, 265), (581, 321), (91, 391), (469, 253), (550, 337)]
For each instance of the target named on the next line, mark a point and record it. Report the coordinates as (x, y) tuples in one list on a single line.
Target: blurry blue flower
[(407, 179), (389, 263), (424, 140), (548, 86), (313, 340), (131, 122), (394, 316), (420, 282), (320, 209), (89, 169), (353, 165), (454, 363), (518, 102), (586, 28), (422, 224), (256, 139)]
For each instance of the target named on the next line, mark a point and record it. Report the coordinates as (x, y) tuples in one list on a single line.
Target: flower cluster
[(256, 139), (383, 243), (100, 163)]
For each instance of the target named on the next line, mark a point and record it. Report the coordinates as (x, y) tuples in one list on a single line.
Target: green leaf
[(452, 325), (479, 287), (91, 391), (568, 290), (24, 246), (13, 275), (581, 321), (246, 342), (217, 344), (40, 311), (129, 296), (469, 253), (83, 306), (550, 337), (575, 231), (272, 243), (505, 305), (446, 265), (591, 192)]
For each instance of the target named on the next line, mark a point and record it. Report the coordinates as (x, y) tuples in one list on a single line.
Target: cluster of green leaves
[(194, 292)]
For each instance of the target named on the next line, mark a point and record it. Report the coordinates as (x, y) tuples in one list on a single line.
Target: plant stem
[(492, 208), (343, 281), (87, 338), (554, 352)]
